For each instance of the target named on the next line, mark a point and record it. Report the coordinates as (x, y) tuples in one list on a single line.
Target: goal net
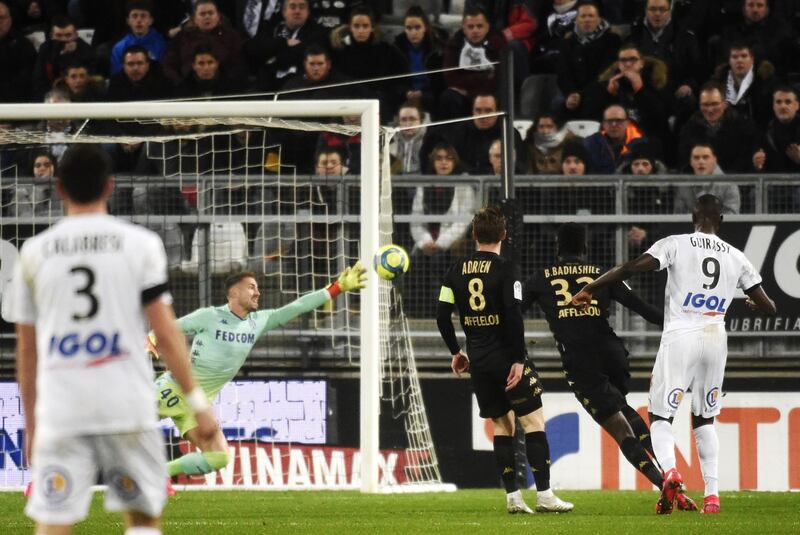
[(330, 400)]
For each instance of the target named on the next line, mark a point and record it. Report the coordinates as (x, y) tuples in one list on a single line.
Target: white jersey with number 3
[(703, 272), (83, 284)]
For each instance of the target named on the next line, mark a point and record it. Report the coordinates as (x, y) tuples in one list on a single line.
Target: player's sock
[(708, 452), (197, 463), (539, 458), (141, 530), (663, 444), (634, 452), (504, 455), (639, 428)]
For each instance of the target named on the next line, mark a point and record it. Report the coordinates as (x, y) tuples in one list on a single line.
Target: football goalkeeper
[(223, 338)]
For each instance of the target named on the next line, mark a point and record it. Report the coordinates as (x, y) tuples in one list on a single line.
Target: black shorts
[(494, 401), (599, 376)]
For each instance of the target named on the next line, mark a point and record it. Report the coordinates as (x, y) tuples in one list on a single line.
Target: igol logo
[(56, 484), (712, 397), (674, 398)]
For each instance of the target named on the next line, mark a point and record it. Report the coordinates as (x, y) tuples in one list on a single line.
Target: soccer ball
[(391, 261)]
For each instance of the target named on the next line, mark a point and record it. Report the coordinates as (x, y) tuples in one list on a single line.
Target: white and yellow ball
[(391, 261)]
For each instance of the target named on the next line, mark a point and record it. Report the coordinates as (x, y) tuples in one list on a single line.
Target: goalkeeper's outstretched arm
[(351, 279)]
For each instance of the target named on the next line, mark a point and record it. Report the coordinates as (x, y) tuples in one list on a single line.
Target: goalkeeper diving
[(223, 338)]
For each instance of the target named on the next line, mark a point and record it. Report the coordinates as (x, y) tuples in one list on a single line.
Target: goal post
[(369, 231)]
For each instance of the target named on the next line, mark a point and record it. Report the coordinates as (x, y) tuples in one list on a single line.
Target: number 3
[(87, 291)]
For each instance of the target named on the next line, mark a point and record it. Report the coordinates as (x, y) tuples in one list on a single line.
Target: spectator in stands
[(472, 139), (471, 49), (657, 35), (732, 136), (349, 146), (769, 36), (206, 78), (359, 53), (17, 58), (584, 54), (39, 198), (496, 156), (422, 45), (140, 21), (748, 88), (575, 159), (79, 84), (608, 148), (140, 78), (636, 83), (545, 141), (62, 47), (278, 54), (779, 149), (436, 244), (57, 131), (407, 144), (559, 23), (254, 18), (517, 21), (318, 71), (329, 163), (650, 199), (703, 161), (206, 29), (34, 15)]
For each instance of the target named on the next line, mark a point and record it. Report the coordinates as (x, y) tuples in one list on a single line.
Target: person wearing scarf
[(589, 49), (545, 141), (748, 87)]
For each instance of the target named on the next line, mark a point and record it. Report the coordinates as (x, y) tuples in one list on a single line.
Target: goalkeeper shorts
[(172, 404)]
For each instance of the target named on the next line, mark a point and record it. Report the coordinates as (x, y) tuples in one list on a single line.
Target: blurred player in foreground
[(594, 359), (80, 293), (703, 274), (487, 292), (223, 338)]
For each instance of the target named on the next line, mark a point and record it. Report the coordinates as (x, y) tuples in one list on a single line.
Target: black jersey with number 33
[(488, 294)]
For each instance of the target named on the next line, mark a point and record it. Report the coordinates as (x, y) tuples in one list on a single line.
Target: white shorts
[(133, 465), (690, 360)]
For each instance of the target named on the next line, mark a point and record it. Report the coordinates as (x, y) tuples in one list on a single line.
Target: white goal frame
[(370, 200)]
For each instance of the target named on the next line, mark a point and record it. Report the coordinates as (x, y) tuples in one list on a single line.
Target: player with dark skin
[(707, 218)]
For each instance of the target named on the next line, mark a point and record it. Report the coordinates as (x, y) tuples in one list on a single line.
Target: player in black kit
[(488, 293), (594, 359)]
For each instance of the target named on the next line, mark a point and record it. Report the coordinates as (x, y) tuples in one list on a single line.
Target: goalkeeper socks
[(197, 463), (504, 455), (663, 444), (634, 452), (639, 428), (707, 442), (539, 458)]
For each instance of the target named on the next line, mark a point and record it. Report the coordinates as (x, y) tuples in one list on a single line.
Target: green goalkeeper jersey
[(223, 340)]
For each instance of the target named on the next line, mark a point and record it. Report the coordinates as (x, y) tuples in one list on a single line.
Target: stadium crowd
[(656, 81)]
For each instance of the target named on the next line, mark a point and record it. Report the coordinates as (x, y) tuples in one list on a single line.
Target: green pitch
[(465, 511)]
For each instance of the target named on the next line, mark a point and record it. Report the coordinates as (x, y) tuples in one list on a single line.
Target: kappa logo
[(675, 397), (126, 488), (56, 484), (712, 397)]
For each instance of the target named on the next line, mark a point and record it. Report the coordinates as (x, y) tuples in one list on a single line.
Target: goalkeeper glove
[(352, 278)]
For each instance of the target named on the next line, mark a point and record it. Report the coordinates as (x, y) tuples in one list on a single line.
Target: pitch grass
[(465, 511)]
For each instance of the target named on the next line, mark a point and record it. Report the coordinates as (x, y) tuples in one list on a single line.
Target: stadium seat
[(583, 128), (227, 249)]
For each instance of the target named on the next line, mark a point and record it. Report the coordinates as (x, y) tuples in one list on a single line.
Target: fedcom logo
[(713, 305), (96, 345)]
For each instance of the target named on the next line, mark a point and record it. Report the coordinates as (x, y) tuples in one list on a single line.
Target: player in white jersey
[(704, 273), (80, 295)]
